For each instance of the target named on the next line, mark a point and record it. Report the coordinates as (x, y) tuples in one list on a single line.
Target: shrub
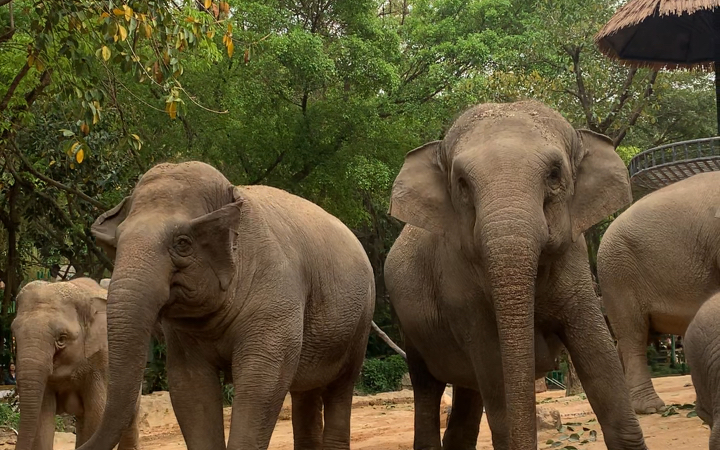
[(9, 417), (382, 374)]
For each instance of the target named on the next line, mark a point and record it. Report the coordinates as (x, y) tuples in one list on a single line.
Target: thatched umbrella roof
[(666, 34), (662, 34)]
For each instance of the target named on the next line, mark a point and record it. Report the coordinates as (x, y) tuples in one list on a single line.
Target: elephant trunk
[(34, 367), (135, 297), (511, 240)]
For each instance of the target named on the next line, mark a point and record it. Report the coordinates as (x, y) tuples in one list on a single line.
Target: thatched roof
[(659, 11)]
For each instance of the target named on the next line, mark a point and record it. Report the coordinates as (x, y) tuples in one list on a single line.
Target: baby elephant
[(702, 350), (62, 360)]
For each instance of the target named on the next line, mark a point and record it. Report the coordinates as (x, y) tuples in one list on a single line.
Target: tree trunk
[(573, 385)]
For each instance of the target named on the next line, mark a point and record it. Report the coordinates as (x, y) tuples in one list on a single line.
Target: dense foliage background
[(322, 98)]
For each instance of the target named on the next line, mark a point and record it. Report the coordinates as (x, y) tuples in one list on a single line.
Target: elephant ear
[(105, 227), (91, 306), (420, 196), (214, 238), (602, 183)]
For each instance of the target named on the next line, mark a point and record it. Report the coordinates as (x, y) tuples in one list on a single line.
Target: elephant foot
[(648, 405)]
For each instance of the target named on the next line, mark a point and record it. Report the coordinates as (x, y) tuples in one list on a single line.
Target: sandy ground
[(385, 422)]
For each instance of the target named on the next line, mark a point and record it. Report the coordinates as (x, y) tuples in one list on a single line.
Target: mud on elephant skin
[(62, 356), (657, 264), (702, 350), (490, 276), (250, 280)]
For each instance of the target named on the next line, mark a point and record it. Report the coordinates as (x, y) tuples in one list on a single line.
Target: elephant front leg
[(196, 396), (262, 374), (589, 343), (427, 392)]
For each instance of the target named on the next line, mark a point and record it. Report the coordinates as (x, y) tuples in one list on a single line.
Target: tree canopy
[(322, 98)]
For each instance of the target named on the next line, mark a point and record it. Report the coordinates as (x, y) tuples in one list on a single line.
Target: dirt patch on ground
[(385, 422)]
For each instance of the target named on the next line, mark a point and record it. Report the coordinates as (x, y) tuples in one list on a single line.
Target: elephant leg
[(130, 438), (263, 369), (307, 420), (590, 346), (46, 422), (93, 399), (427, 392), (196, 397), (631, 329), (337, 399), (464, 425)]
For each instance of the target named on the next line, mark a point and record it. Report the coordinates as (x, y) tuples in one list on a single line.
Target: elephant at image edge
[(702, 345), (61, 337), (251, 281), (490, 275), (657, 264)]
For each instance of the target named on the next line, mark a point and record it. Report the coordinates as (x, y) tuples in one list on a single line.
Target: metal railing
[(666, 164)]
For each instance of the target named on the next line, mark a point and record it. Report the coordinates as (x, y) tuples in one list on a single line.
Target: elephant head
[(173, 242), (57, 328), (512, 186)]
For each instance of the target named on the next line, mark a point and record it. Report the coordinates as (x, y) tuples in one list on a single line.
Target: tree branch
[(387, 340), (637, 111), (624, 96), (13, 86), (5, 2), (56, 184)]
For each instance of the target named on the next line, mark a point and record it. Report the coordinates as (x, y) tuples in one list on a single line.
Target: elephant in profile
[(62, 362), (248, 281), (490, 275), (702, 350), (657, 264)]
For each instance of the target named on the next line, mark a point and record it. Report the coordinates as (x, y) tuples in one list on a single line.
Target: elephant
[(249, 281), (490, 275), (702, 349), (657, 264), (62, 362)]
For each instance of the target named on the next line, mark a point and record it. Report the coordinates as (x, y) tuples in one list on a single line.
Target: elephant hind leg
[(307, 420), (631, 327), (337, 400), (464, 424), (427, 392)]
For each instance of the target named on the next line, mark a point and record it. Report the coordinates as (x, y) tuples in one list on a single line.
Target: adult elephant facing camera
[(250, 280), (490, 276)]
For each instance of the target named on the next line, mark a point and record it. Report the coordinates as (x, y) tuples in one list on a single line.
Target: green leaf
[(692, 414), (67, 133)]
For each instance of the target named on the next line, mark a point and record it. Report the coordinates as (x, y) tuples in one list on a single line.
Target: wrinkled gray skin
[(490, 276), (62, 354), (702, 350), (657, 264), (251, 281)]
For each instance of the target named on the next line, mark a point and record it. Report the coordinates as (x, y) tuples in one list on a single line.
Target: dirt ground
[(385, 422)]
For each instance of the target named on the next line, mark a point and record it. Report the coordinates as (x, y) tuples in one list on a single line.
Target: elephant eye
[(183, 245), (463, 188), (555, 177), (61, 341)]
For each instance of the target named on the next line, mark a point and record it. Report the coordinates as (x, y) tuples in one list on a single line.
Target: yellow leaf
[(72, 165), (171, 109), (230, 48), (229, 27), (123, 32), (148, 30), (211, 33), (208, 4), (128, 12), (118, 12), (39, 65), (31, 60), (73, 148), (79, 156), (52, 163), (189, 19), (105, 52), (104, 15)]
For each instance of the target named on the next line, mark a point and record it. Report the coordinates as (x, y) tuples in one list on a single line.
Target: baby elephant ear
[(214, 236), (105, 227)]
